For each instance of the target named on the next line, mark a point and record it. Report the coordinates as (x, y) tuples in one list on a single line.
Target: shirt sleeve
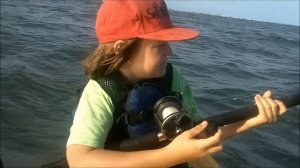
[(179, 84), (93, 117)]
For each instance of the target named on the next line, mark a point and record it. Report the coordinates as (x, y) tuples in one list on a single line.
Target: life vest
[(118, 89)]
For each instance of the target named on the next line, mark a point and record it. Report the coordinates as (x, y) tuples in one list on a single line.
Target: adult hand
[(268, 108), (187, 146)]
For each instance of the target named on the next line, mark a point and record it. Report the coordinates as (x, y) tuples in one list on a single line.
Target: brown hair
[(103, 60)]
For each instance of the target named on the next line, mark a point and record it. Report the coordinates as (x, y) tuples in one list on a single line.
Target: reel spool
[(171, 117)]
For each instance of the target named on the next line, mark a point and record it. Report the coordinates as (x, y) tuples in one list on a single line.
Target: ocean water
[(44, 43)]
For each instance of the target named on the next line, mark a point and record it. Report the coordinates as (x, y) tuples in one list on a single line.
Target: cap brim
[(171, 34)]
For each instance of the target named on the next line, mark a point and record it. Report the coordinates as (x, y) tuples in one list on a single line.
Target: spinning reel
[(171, 117)]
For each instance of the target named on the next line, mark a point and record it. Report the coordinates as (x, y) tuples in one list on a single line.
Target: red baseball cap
[(146, 19)]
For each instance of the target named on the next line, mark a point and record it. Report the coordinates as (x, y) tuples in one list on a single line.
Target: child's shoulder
[(93, 87)]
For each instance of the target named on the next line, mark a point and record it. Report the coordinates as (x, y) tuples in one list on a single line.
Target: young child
[(133, 47)]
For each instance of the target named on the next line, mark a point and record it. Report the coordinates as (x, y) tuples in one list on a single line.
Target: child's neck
[(129, 74)]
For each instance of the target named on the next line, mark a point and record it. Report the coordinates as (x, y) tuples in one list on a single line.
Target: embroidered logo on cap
[(157, 11)]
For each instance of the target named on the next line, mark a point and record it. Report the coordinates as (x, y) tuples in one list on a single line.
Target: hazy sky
[(277, 11)]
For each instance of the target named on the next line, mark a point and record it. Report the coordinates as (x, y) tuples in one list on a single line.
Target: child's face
[(149, 60)]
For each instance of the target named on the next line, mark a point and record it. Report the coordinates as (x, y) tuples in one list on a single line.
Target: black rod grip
[(141, 142), (247, 112)]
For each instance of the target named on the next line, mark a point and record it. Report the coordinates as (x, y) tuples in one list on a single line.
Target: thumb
[(197, 129), (282, 107)]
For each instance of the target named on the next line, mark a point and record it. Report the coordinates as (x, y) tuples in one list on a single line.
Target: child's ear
[(118, 46)]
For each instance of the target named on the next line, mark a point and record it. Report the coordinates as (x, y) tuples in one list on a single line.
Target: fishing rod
[(176, 122)]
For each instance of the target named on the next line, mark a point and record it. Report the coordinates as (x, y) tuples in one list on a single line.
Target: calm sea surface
[(43, 44)]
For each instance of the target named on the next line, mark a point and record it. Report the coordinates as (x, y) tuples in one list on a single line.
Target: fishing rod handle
[(247, 112), (292, 100), (152, 139)]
